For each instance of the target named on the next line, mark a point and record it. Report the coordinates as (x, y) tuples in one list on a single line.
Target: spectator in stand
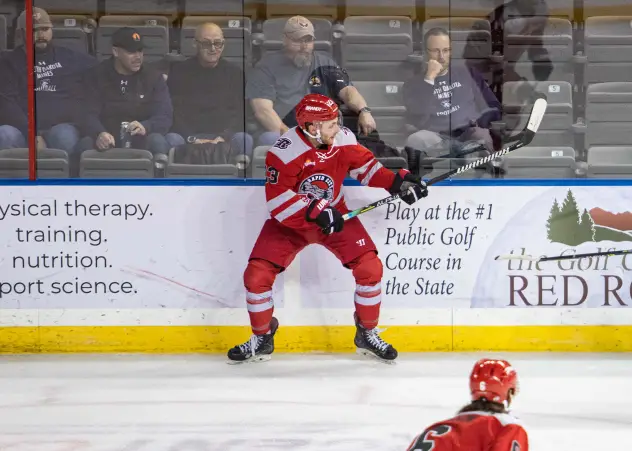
[(448, 102), (281, 79), (58, 71), (120, 89), (207, 95)]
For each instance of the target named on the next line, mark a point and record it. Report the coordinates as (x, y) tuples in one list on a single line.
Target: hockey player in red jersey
[(305, 172), (485, 424)]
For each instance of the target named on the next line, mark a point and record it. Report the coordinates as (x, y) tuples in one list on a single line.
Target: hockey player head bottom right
[(485, 424)]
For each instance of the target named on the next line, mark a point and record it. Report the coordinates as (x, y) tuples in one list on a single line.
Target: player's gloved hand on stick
[(326, 217), (415, 187)]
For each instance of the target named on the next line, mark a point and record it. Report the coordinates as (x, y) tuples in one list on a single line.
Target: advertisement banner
[(185, 247)]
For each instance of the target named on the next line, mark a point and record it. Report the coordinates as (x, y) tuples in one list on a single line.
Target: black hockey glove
[(326, 217), (415, 187)]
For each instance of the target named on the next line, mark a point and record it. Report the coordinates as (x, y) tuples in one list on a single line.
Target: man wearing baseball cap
[(121, 89), (281, 79), (57, 72)]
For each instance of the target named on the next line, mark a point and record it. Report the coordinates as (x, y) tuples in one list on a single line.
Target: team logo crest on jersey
[(283, 143), (315, 81), (318, 186)]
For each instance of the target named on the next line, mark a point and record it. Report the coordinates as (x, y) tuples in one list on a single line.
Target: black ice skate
[(369, 343), (258, 349)]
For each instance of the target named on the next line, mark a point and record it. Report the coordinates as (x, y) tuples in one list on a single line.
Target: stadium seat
[(541, 163), (433, 167), (69, 7), (273, 34), (117, 163), (608, 48), (556, 128), (541, 57), (377, 48), (237, 33), (471, 40), (145, 7), (177, 170), (73, 31), (51, 163), (387, 107), (610, 162), (243, 8), (608, 114), (4, 33), (153, 28), (614, 8), (316, 8), (458, 8), (406, 8)]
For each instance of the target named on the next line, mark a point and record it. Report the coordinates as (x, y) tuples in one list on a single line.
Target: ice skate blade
[(256, 359), (367, 353)]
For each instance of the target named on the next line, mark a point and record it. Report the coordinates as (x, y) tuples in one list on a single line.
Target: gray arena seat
[(51, 163), (4, 33), (155, 31), (458, 8), (556, 128), (245, 8), (147, 7), (69, 7), (608, 48), (541, 163), (273, 34), (608, 115), (178, 170), (471, 40), (73, 31), (376, 48), (434, 167), (592, 8), (610, 162), (524, 51), (259, 162), (237, 34), (406, 8), (387, 107), (316, 8), (117, 163)]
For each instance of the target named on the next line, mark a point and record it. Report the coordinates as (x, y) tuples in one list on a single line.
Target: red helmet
[(315, 108), (492, 379)]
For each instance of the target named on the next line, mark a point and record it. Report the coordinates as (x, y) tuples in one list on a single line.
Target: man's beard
[(302, 59)]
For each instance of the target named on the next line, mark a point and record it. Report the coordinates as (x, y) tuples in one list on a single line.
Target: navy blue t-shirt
[(454, 101)]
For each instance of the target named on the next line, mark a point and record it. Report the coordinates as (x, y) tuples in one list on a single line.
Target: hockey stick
[(530, 258), (519, 140)]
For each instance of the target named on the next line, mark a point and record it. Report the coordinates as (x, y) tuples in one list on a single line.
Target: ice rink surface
[(574, 402)]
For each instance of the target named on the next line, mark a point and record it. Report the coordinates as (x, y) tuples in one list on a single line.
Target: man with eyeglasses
[(281, 79), (449, 103), (207, 95)]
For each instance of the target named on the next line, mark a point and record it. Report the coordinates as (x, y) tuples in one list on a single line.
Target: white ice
[(574, 402)]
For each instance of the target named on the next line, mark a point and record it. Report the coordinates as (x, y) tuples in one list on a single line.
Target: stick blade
[(537, 113)]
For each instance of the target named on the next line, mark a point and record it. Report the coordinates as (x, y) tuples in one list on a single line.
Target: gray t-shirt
[(276, 78)]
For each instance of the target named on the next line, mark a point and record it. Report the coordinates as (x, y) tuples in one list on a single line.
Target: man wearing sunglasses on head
[(207, 94), (281, 79)]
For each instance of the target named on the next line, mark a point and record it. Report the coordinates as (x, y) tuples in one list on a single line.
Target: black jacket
[(112, 98), (207, 100), (58, 72)]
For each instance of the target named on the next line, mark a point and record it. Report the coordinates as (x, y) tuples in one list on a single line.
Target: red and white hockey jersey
[(473, 431), (297, 172)]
